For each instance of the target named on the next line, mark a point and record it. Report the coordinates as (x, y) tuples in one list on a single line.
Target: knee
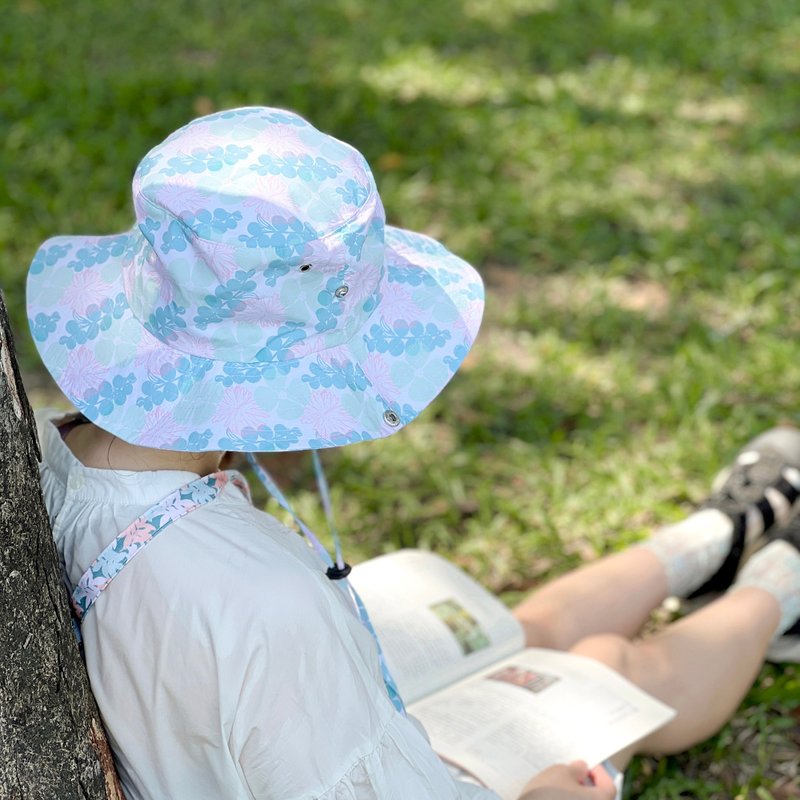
[(608, 649)]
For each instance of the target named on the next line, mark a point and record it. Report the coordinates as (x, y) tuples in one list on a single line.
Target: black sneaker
[(758, 492)]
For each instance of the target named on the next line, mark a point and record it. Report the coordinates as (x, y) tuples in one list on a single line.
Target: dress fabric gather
[(224, 662)]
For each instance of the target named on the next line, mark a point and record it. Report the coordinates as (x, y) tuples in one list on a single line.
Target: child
[(260, 303)]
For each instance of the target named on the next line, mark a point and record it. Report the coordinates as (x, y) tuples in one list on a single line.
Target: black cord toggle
[(336, 574)]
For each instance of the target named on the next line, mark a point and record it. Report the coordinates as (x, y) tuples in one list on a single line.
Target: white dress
[(224, 662)]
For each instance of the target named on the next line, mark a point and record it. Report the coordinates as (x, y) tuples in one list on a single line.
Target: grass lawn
[(623, 174)]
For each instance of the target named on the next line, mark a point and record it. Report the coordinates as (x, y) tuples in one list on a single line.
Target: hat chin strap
[(337, 569)]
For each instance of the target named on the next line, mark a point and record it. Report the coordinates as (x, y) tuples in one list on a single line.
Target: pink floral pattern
[(259, 302), (378, 372), (143, 530), (160, 429), (137, 533), (238, 410), (87, 289), (83, 371), (326, 415)]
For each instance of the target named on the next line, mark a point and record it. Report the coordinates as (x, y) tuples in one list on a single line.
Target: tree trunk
[(52, 743)]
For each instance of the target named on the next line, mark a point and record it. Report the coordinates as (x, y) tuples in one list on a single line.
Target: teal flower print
[(205, 222), (42, 325), (411, 276), (278, 347), (226, 299), (354, 194), (354, 242), (338, 374), (164, 322), (296, 166), (205, 159), (262, 438), (197, 441), (83, 328), (113, 247), (46, 257), (100, 402), (287, 236), (402, 338), (175, 238), (172, 381)]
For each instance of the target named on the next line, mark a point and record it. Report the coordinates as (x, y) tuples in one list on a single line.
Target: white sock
[(776, 569), (692, 550)]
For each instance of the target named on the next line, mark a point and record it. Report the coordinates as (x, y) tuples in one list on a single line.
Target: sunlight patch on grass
[(420, 71), (500, 14)]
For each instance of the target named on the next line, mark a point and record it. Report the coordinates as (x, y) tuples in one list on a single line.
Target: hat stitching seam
[(177, 218)]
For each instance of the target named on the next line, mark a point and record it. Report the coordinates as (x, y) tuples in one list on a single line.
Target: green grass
[(624, 175)]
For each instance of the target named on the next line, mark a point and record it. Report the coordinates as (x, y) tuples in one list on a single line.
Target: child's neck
[(96, 448)]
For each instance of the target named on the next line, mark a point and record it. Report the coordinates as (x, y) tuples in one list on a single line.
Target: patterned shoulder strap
[(143, 530)]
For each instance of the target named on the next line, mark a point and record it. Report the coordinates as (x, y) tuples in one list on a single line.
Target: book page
[(535, 709), (436, 625)]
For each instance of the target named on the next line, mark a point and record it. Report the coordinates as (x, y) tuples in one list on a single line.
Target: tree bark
[(52, 743)]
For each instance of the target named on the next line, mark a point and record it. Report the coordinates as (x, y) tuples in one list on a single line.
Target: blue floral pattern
[(43, 325), (226, 299), (131, 541), (336, 374), (270, 305), (82, 328), (411, 276), (205, 222), (148, 227), (278, 347), (330, 308), (48, 256), (197, 441), (176, 237), (286, 236), (173, 381), (105, 249), (165, 322), (284, 118), (405, 411), (354, 242), (146, 165), (402, 337), (340, 439), (202, 159), (459, 354), (353, 194), (261, 439), (100, 401), (291, 165), (237, 373)]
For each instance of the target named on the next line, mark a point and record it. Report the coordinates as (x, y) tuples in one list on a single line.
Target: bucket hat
[(259, 303)]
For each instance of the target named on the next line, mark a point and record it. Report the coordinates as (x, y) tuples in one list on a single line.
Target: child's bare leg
[(613, 595), (702, 665)]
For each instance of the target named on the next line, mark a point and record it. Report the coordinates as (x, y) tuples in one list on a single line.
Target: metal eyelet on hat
[(342, 291), (305, 267), (391, 418)]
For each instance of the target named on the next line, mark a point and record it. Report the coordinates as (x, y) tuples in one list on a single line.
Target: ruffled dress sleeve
[(314, 719)]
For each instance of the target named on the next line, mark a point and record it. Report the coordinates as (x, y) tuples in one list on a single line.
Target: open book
[(496, 710)]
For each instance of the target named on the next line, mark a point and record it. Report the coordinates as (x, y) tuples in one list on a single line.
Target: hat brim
[(147, 393)]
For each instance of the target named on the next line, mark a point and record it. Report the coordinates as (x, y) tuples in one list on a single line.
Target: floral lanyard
[(131, 541)]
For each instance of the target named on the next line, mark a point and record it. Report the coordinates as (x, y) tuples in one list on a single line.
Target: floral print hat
[(259, 303)]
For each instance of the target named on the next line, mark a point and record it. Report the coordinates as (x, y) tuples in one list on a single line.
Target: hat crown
[(261, 238)]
